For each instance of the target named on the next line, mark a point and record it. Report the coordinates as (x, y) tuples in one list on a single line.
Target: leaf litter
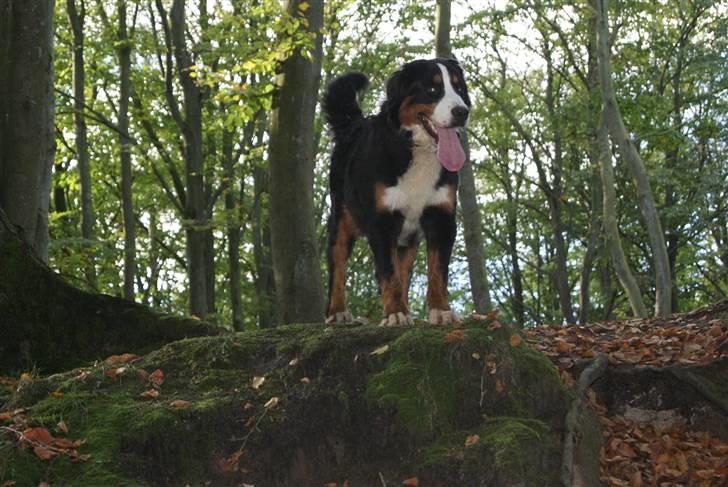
[(636, 454)]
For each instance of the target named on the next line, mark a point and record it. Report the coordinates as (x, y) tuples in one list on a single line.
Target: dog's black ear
[(395, 96)]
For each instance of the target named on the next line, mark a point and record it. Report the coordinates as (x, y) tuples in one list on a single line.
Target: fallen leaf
[(156, 378), (6, 416), (257, 382), (293, 361), (272, 402), (455, 336), (472, 440), (150, 394), (494, 326), (25, 376), (499, 386), (116, 360), (305, 381), (381, 350), (563, 347), (478, 317), (475, 355), (40, 435), (180, 404), (62, 426), (43, 453), (56, 394), (412, 482), (515, 340), (142, 374), (330, 484)]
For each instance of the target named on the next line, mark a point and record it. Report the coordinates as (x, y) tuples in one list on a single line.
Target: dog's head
[(430, 99)]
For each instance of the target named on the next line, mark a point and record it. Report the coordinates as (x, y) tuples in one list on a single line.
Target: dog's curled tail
[(340, 104)]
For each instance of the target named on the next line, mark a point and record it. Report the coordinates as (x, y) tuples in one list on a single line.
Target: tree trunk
[(472, 221), (611, 231), (265, 289), (195, 215), (293, 237), (77, 20), (27, 143), (628, 152), (127, 204), (592, 237)]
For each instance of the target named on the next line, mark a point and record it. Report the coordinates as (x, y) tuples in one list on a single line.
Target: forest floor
[(667, 425), (628, 403)]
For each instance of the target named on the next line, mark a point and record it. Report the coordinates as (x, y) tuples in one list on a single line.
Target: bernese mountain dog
[(394, 179)]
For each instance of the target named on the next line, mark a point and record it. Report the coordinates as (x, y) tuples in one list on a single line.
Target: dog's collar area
[(428, 126)]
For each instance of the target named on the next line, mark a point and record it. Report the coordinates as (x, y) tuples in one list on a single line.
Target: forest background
[(160, 183)]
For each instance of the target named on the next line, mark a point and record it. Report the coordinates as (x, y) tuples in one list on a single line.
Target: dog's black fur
[(370, 155)]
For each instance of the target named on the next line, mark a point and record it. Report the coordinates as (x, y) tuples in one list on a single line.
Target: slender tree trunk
[(627, 150), (592, 237), (293, 236), (611, 231), (77, 20), (27, 143), (195, 214), (265, 289), (554, 195), (127, 205), (233, 229), (517, 304), (472, 221)]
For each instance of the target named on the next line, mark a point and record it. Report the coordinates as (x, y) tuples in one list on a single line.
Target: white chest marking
[(415, 190)]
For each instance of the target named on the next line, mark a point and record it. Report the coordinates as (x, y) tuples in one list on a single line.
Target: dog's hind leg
[(342, 235), (439, 228)]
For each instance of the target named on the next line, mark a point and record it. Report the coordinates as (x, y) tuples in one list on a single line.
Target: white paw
[(395, 319), (443, 317), (340, 317)]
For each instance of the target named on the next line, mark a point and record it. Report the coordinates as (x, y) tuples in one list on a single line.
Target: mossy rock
[(356, 403), (49, 325)]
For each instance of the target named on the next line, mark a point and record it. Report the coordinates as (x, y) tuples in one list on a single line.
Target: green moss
[(509, 451)]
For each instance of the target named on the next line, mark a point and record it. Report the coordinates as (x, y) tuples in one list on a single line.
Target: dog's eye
[(432, 90)]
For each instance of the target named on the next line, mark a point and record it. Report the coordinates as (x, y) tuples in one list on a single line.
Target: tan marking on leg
[(451, 202), (406, 261), (436, 285), (394, 295), (345, 232)]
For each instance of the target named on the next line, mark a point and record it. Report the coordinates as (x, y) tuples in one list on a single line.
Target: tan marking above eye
[(437, 79), (455, 79)]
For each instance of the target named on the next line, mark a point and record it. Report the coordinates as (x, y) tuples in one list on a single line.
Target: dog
[(393, 179)]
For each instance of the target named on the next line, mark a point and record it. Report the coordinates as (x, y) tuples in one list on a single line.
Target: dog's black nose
[(460, 114)]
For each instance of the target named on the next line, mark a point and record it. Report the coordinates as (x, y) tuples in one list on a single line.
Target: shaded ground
[(300, 405)]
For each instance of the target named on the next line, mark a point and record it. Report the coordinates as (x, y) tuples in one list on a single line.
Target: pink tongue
[(449, 151)]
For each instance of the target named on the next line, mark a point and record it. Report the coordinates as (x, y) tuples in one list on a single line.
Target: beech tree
[(27, 144), (291, 153)]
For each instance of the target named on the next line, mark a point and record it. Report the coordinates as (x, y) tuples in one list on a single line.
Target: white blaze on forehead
[(443, 110)]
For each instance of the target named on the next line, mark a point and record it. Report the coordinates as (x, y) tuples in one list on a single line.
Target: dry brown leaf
[(472, 440), (515, 340), (455, 336), (330, 484), (494, 326), (56, 394), (156, 378), (40, 435), (150, 394), (113, 372), (305, 380), (272, 402), (499, 388), (116, 360), (6, 416), (411, 482), (43, 453), (180, 404), (475, 355)]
